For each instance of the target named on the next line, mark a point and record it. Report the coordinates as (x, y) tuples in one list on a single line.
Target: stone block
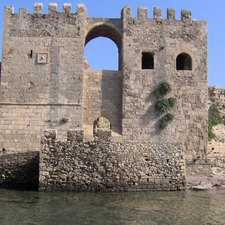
[(186, 15), (142, 13), (66, 7), (75, 135), (157, 13), (38, 7), (171, 14), (23, 11), (52, 7)]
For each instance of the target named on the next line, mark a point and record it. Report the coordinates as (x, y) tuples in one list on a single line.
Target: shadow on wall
[(19, 170), (111, 94), (149, 115)]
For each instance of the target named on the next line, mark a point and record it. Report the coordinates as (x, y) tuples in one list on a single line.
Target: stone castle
[(101, 130)]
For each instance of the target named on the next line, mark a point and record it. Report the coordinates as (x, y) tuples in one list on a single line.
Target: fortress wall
[(43, 70), (19, 170), (102, 96), (41, 56), (22, 125), (42, 74), (101, 165), (45, 85), (165, 39)]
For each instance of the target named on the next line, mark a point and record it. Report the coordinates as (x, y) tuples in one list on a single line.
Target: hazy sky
[(211, 11)]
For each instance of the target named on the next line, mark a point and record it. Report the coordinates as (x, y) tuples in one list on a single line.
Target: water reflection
[(136, 208)]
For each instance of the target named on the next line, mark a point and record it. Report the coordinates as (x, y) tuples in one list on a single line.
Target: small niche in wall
[(30, 54), (147, 61), (42, 58)]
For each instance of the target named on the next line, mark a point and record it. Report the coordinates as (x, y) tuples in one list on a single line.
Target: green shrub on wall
[(214, 118), (164, 104), (163, 89), (166, 120)]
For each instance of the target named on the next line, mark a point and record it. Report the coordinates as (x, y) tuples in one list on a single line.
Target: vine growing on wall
[(164, 105)]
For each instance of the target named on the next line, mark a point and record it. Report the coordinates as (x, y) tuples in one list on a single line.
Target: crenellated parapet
[(126, 12), (53, 23), (142, 13), (52, 8), (38, 24)]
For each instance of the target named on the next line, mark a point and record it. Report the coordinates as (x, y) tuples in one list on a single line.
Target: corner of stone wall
[(126, 12)]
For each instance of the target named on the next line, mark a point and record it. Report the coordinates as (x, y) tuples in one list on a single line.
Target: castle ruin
[(47, 85)]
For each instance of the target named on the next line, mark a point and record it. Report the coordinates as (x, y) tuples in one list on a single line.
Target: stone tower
[(46, 82)]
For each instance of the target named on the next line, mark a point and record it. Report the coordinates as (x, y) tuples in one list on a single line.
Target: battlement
[(142, 12), (52, 8)]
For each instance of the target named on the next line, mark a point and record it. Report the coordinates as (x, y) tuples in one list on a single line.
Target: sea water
[(133, 208)]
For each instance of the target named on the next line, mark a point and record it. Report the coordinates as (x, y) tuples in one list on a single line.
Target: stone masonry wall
[(165, 39), (21, 125), (102, 96), (42, 69), (19, 170), (100, 165), (44, 84)]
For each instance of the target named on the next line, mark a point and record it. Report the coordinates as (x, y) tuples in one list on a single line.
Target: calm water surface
[(56, 208)]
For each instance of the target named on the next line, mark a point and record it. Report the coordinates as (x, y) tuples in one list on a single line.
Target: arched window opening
[(184, 62), (147, 60), (102, 53)]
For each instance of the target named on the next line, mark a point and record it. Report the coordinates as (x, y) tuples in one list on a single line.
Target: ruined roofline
[(142, 12)]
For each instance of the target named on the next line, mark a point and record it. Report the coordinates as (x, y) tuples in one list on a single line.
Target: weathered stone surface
[(19, 170), (110, 166), (217, 146), (46, 83), (53, 87)]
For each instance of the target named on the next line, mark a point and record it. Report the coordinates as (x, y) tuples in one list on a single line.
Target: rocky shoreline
[(203, 182)]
